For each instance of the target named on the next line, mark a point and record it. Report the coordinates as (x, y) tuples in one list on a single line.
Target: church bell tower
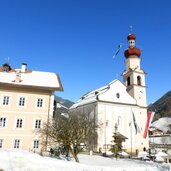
[(134, 76)]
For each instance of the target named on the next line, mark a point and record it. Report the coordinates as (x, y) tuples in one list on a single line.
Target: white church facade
[(121, 105)]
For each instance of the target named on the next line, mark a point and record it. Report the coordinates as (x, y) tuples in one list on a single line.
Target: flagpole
[(131, 138), (132, 122)]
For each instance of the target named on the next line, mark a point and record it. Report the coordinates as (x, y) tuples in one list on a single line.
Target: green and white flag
[(137, 129)]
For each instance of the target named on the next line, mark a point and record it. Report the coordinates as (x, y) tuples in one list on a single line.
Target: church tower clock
[(134, 76)]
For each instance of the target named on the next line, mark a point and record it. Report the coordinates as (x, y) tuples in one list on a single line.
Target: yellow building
[(26, 102)]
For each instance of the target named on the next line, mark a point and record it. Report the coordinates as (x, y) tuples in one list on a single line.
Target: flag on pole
[(148, 123), (119, 48), (137, 129)]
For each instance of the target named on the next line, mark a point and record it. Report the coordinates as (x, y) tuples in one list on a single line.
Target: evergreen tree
[(117, 142)]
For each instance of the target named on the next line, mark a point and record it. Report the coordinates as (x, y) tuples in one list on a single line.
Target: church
[(120, 105)]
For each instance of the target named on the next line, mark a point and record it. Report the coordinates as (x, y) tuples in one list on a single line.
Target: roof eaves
[(60, 84), (28, 86)]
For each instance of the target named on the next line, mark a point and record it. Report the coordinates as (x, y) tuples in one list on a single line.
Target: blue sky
[(77, 39)]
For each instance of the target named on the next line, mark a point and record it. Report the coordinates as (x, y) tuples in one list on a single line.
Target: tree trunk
[(76, 157), (74, 154)]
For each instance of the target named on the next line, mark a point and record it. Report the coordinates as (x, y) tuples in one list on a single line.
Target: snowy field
[(12, 160)]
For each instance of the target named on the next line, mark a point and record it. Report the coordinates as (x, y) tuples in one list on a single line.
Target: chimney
[(17, 76), (23, 67)]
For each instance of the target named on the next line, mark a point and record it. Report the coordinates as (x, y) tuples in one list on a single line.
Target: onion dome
[(132, 50), (131, 37)]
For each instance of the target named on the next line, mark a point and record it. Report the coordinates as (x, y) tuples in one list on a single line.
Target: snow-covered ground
[(12, 160)]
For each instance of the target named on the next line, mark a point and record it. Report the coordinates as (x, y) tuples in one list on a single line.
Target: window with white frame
[(22, 101), (38, 123), (6, 100), (1, 143), (39, 102), (36, 144), (2, 122), (19, 123), (16, 143)]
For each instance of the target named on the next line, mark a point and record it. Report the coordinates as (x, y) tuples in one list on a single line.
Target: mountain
[(65, 102), (162, 107), (62, 106)]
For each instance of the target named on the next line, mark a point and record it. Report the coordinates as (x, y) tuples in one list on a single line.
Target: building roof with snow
[(162, 124), (114, 92), (26, 78)]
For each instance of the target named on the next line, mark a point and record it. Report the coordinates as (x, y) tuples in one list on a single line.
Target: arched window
[(128, 81), (138, 80)]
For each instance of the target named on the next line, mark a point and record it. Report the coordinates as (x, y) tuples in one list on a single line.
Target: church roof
[(114, 92)]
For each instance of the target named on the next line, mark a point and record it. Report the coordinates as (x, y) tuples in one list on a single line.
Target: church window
[(138, 80), (118, 95), (119, 122), (96, 92), (128, 81)]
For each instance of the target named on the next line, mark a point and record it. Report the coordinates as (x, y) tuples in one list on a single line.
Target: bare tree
[(69, 132)]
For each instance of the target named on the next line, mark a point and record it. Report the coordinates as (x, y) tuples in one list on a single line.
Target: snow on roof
[(162, 154), (33, 78), (162, 124), (115, 87), (159, 159), (91, 96), (123, 153)]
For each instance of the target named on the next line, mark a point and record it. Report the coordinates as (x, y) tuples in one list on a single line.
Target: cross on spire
[(130, 29), (7, 60)]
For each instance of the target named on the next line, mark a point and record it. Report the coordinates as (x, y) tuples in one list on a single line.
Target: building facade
[(26, 102), (121, 105)]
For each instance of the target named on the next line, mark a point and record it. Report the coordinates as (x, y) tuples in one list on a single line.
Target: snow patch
[(19, 160)]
